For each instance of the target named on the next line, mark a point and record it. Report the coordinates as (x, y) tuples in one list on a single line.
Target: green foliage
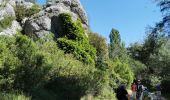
[(6, 22), (13, 96), (163, 25), (160, 63), (40, 69), (135, 50), (166, 87), (67, 77), (33, 10), (8, 63), (99, 43), (124, 71), (103, 87), (101, 48), (115, 43), (72, 39), (120, 60), (22, 12), (115, 38), (35, 67), (136, 66), (154, 54)]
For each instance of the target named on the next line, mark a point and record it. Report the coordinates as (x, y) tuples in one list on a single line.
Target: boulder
[(38, 26), (47, 19)]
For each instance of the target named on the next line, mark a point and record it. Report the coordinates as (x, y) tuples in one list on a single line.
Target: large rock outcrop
[(47, 20)]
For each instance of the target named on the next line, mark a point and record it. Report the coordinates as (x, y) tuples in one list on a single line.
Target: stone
[(7, 10), (47, 19), (37, 26)]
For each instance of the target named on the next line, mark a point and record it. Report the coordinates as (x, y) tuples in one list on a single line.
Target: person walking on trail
[(134, 88), (158, 92), (139, 93), (122, 93)]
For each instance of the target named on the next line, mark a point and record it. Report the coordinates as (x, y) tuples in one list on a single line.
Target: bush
[(8, 63), (72, 39), (124, 72), (22, 12), (165, 85), (13, 96), (35, 67), (6, 22), (33, 10), (100, 44)]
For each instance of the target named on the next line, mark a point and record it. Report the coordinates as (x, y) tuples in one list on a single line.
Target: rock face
[(38, 26), (47, 20), (6, 10)]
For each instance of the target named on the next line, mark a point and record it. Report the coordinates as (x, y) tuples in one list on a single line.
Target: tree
[(115, 43), (165, 23), (101, 48)]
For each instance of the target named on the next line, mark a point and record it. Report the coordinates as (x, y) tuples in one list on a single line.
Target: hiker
[(122, 93), (134, 88), (158, 92), (145, 93), (139, 93)]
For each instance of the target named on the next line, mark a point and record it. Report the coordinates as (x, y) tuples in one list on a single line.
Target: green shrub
[(165, 85), (35, 67), (33, 10), (125, 74), (72, 39), (22, 12), (13, 96), (6, 22), (8, 63)]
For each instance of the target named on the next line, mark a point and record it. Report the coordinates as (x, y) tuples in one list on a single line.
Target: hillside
[(50, 53)]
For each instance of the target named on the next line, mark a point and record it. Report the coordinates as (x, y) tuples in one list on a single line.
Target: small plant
[(6, 22), (22, 12)]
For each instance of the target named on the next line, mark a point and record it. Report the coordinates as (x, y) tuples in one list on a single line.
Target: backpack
[(139, 88)]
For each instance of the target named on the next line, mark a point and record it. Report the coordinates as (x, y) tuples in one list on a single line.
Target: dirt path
[(154, 97)]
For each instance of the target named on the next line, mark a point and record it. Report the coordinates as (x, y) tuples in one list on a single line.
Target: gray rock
[(47, 19), (12, 2), (45, 23), (37, 26), (0, 1), (7, 10), (28, 4)]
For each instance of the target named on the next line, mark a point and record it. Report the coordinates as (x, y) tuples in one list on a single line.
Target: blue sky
[(130, 17)]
